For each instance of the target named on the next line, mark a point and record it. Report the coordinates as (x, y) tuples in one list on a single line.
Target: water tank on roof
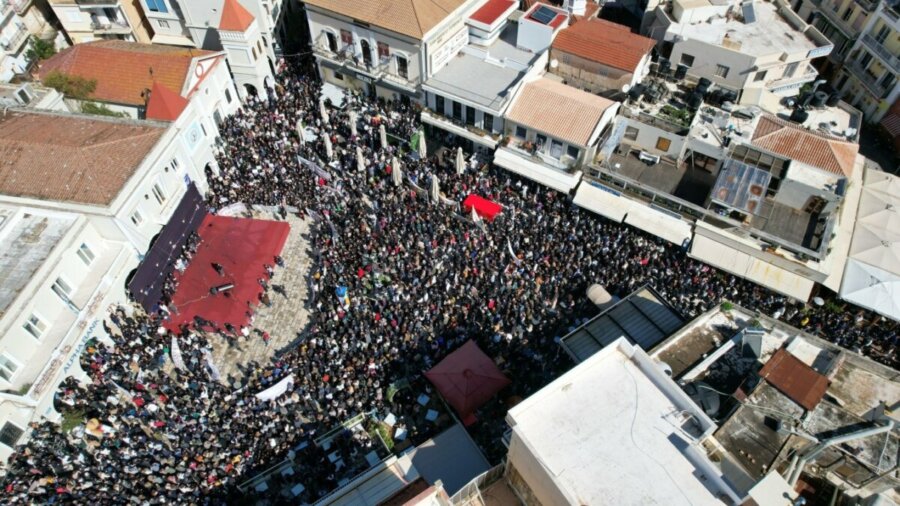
[(681, 71), (799, 115), (729, 96), (636, 91), (694, 100), (819, 99), (664, 66), (703, 85), (833, 100)]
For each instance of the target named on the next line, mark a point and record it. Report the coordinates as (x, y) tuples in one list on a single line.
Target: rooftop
[(235, 17), (559, 110), (124, 71), (492, 10), (770, 33), (816, 150), (486, 79), (546, 14), (604, 42), (26, 241), (613, 424), (71, 158), (794, 379), (413, 18), (642, 317)]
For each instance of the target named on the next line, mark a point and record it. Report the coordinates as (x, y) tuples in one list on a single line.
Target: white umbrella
[(329, 151), (423, 146), (360, 161), (460, 162), (819, 301), (322, 110), (300, 132), (396, 172), (435, 192), (382, 133), (353, 123)]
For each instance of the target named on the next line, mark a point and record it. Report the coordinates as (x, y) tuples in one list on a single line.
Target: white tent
[(872, 288), (872, 274)]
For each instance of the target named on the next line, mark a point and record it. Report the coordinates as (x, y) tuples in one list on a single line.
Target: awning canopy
[(487, 209), (552, 178), (603, 201), (658, 223), (467, 379), (748, 267), (458, 130)]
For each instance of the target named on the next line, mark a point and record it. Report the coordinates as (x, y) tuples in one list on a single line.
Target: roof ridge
[(415, 10)]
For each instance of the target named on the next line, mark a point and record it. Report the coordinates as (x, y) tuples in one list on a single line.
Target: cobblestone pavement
[(286, 318)]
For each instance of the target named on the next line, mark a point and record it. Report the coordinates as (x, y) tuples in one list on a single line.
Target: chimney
[(575, 7)]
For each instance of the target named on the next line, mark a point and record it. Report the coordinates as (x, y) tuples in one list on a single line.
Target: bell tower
[(245, 50)]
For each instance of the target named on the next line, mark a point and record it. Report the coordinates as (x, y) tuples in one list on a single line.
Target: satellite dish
[(626, 87), (554, 63)]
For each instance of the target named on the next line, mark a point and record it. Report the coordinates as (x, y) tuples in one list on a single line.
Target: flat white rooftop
[(769, 34), (26, 240), (616, 430)]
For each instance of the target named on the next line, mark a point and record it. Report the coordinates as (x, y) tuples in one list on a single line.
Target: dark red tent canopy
[(487, 209), (467, 378)]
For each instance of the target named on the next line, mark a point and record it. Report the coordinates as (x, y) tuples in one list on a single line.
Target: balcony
[(375, 71), (111, 27), (882, 52), (5, 10), (98, 3), (15, 43), (825, 10), (667, 119), (809, 74), (22, 6), (870, 81)]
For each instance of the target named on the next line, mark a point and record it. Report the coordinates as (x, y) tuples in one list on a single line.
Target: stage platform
[(242, 247)]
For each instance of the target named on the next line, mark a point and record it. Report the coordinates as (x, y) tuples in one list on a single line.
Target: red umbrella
[(467, 379)]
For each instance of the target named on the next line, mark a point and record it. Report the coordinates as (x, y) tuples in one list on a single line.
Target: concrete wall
[(707, 56), (431, 103), (588, 75), (530, 478), (648, 136)]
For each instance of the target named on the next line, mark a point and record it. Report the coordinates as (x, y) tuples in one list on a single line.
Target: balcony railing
[(15, 42), (22, 6), (98, 3), (809, 74), (376, 70), (869, 81), (883, 53), (656, 120), (825, 10), (110, 26)]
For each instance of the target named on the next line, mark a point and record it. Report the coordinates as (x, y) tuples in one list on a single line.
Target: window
[(175, 163), (253, 50), (203, 128), (62, 289), (338, 76), (866, 59), (722, 71), (331, 40), (760, 76), (346, 37), (158, 194), (85, 254), (488, 123), (35, 326), (439, 104), (573, 151), (631, 133), (157, 6), (136, 218), (402, 67), (162, 23), (663, 144), (791, 69), (521, 132), (457, 111), (541, 141), (10, 434), (847, 13), (470, 116), (687, 60), (228, 95), (384, 51), (556, 150)]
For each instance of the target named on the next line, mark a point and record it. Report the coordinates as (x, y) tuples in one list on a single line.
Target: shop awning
[(748, 267), (658, 223), (551, 178), (602, 201)]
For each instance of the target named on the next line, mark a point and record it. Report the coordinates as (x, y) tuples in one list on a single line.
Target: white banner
[(213, 370), (277, 390), (175, 351)]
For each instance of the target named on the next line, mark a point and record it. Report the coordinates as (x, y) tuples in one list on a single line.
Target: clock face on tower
[(193, 136)]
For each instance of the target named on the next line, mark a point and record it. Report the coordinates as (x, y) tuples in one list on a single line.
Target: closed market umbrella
[(382, 135), (396, 172), (460, 162), (423, 146), (360, 161), (322, 110), (329, 150), (435, 192), (353, 123)]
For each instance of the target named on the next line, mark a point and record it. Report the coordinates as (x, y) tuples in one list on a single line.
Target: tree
[(40, 49), (70, 86)]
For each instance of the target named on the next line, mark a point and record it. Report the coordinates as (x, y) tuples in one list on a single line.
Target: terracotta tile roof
[(122, 69), (604, 42), (408, 17), (235, 18), (491, 11), (558, 110), (800, 382), (71, 158), (785, 138), (165, 104)]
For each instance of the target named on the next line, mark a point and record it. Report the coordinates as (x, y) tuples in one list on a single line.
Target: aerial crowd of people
[(399, 280)]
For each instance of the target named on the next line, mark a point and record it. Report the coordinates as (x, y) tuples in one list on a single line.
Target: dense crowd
[(400, 279)]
